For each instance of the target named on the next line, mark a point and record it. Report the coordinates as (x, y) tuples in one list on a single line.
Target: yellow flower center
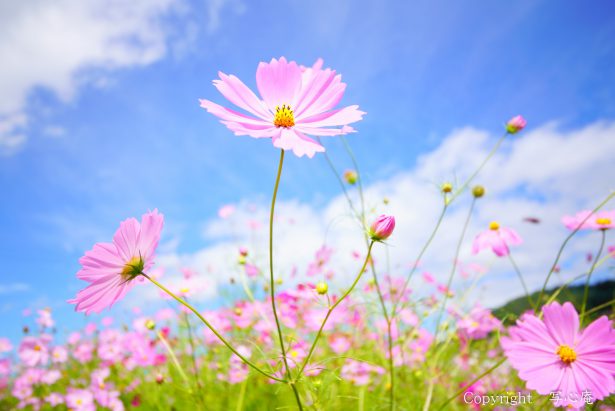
[(603, 221), (37, 347), (284, 117), (566, 354), (132, 268), (294, 353), (494, 225)]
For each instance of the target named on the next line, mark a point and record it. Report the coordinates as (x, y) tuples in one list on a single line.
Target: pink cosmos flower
[(111, 267), (360, 373), (497, 238), (554, 356), (295, 103), (80, 400), (44, 318), (585, 220), (34, 351), (478, 324)]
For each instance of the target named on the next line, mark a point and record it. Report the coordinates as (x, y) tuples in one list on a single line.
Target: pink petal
[(125, 238), (562, 322), (239, 94), (231, 115), (327, 92), (256, 131), (278, 82), (337, 117), (299, 143), (151, 226)]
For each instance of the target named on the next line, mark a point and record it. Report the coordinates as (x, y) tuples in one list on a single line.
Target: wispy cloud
[(59, 45), (13, 288)]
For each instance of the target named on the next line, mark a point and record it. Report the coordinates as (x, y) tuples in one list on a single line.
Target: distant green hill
[(599, 294)]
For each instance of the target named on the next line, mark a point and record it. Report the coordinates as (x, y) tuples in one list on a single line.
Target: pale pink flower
[(226, 211), (5, 345), (54, 399), (340, 344), (477, 324), (44, 318), (107, 321), (586, 220), (497, 238), (111, 267), (80, 400), (59, 354), (360, 373), (5, 367), (33, 351), (554, 355), (295, 103)]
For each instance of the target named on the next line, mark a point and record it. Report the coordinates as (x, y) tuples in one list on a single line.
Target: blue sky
[(103, 136)]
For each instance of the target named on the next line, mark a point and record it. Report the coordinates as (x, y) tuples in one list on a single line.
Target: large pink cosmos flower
[(497, 238), (554, 356), (296, 102), (111, 267)]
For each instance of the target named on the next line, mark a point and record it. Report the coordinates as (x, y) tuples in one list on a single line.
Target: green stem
[(212, 329), (518, 271), (591, 270), (331, 308), (597, 308), (561, 249), (242, 395), (490, 370), (272, 281), (418, 259), (181, 371)]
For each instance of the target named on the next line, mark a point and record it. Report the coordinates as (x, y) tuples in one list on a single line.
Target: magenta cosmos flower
[(111, 267), (382, 228), (585, 220), (555, 358), (296, 102), (497, 238)]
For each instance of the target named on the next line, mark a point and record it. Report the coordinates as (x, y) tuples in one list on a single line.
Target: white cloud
[(54, 45), (13, 288), (543, 173)]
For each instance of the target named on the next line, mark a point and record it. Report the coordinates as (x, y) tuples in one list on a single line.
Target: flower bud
[(515, 124), (150, 324), (478, 191), (382, 228), (447, 187), (243, 251), (351, 177), (241, 260), (322, 288), (159, 378)]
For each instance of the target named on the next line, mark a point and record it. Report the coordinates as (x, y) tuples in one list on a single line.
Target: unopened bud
[(322, 288), (478, 191), (150, 324), (351, 177), (382, 228), (447, 187), (515, 124)]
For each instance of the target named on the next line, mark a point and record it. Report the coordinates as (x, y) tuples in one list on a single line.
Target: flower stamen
[(603, 221), (132, 268), (284, 116), (566, 354), (494, 225)]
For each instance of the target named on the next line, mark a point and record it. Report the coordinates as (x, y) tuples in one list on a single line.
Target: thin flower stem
[(418, 259), (331, 308), (181, 371), (469, 180), (591, 270), (454, 267), (242, 395), (272, 281), (561, 249), (518, 271), (597, 308), (489, 371), (195, 367), (362, 218), (213, 330)]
